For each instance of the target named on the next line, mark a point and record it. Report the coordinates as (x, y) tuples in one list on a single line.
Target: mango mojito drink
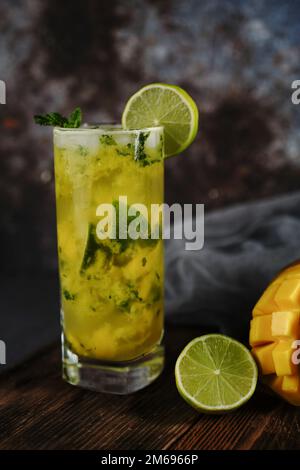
[(111, 277), (111, 289)]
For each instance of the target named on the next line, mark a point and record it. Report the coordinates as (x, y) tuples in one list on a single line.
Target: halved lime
[(159, 104), (215, 373)]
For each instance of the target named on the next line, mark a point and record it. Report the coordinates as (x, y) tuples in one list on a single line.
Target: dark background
[(236, 58)]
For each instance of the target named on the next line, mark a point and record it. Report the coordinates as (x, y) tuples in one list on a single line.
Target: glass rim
[(104, 128)]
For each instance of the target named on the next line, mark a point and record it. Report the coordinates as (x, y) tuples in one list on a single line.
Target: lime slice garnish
[(215, 373), (164, 105)]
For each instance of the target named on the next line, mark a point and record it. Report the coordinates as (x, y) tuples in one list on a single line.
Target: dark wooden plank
[(282, 431), (237, 430), (40, 411)]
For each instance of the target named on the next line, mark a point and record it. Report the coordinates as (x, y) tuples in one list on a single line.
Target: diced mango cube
[(278, 383), (290, 389), (293, 275), (282, 357), (292, 272), (256, 312), (264, 358), (290, 383), (266, 303), (285, 324), (275, 334), (260, 330), (288, 294)]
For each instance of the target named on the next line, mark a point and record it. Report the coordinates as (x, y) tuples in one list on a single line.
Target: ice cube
[(87, 140)]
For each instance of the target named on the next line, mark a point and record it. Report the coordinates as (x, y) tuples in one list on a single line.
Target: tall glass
[(111, 288)]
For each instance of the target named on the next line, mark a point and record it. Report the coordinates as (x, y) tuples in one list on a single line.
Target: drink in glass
[(112, 295)]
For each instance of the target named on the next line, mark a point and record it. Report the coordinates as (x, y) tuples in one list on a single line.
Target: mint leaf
[(51, 119), (91, 248), (68, 295), (140, 154), (75, 118), (83, 151), (56, 119), (107, 140), (131, 296), (125, 151)]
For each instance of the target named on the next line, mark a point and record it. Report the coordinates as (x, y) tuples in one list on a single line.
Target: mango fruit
[(274, 329)]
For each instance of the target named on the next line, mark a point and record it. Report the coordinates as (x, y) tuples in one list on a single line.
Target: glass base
[(120, 378)]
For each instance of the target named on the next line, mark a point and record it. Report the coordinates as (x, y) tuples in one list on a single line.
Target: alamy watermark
[(296, 354), (2, 353), (120, 221), (2, 343), (2, 92)]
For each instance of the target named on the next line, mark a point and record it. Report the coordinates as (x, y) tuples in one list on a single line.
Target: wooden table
[(39, 411)]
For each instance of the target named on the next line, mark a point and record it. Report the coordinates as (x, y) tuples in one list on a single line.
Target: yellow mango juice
[(112, 289)]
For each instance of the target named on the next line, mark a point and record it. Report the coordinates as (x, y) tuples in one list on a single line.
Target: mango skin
[(274, 327)]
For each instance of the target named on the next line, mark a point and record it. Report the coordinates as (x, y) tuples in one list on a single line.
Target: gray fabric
[(244, 247), (213, 289)]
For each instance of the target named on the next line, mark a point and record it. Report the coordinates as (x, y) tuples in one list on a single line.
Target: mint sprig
[(56, 119), (75, 118)]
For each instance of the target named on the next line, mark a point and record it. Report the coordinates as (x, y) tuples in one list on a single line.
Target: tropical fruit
[(215, 374), (160, 104), (274, 331)]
